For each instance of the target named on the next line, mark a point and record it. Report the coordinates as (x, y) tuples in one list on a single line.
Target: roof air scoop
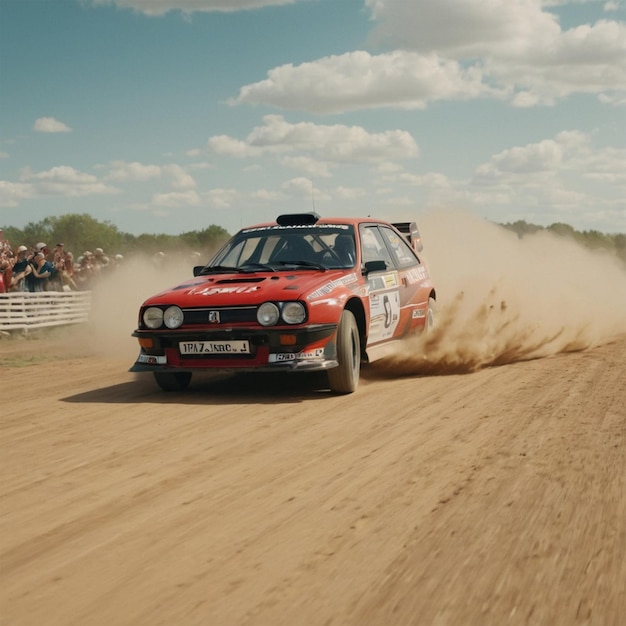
[(297, 219)]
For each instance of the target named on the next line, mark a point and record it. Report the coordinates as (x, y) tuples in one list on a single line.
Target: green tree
[(83, 232), (522, 228)]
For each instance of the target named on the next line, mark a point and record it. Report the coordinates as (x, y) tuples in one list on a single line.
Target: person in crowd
[(158, 260), (6, 265), (29, 279), (42, 247), (56, 256), (68, 273), (101, 260), (21, 269), (42, 270), (84, 271)]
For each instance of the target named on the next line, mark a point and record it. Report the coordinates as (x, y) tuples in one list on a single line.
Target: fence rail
[(25, 311)]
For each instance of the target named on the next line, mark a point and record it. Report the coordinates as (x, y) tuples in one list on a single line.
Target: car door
[(414, 281), (383, 285), (394, 288)]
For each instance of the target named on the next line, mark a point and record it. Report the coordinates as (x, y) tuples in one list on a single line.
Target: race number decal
[(384, 314)]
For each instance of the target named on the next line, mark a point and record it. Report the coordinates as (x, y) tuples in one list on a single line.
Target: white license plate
[(214, 347)]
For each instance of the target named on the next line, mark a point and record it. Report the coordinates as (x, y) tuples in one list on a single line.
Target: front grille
[(227, 315)]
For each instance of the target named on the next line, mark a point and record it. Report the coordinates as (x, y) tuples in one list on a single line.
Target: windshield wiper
[(255, 267), (306, 264), (220, 269)]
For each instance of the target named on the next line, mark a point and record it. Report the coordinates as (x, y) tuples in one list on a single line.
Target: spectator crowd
[(40, 268)]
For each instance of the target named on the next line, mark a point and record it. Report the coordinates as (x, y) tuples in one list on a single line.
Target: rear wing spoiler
[(412, 234)]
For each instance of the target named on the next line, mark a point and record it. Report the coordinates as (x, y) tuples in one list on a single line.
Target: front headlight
[(173, 317), (293, 312), (268, 314), (153, 317)]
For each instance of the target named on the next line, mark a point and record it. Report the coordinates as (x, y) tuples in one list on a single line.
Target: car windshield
[(278, 248)]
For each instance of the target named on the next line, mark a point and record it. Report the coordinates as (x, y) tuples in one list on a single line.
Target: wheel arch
[(355, 306)]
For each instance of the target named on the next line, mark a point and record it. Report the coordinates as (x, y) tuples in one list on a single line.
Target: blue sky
[(165, 116)]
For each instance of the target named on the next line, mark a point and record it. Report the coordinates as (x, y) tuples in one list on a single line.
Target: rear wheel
[(172, 381), (345, 377)]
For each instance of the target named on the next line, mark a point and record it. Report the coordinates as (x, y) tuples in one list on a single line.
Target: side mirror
[(197, 269), (374, 266)]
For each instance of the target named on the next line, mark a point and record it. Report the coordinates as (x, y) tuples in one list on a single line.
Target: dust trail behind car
[(503, 299)]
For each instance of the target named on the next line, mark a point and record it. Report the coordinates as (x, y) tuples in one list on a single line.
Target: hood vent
[(230, 281)]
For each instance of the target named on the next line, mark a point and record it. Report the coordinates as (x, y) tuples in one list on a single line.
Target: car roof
[(310, 219)]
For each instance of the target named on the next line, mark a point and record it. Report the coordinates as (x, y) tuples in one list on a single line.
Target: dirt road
[(495, 497)]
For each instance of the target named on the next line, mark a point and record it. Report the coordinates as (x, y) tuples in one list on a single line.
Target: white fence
[(24, 311)]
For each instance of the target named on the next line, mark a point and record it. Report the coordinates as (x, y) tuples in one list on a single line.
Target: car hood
[(254, 288)]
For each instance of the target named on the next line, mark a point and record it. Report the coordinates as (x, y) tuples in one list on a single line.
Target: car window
[(400, 247), (248, 250), (329, 245), (373, 247)]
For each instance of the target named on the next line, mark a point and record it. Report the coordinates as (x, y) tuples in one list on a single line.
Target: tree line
[(592, 239), (80, 232)]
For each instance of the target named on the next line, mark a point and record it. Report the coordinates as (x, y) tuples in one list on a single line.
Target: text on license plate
[(214, 347)]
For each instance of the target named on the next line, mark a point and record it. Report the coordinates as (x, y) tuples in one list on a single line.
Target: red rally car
[(303, 293)]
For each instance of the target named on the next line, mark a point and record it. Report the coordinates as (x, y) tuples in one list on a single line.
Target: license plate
[(214, 347)]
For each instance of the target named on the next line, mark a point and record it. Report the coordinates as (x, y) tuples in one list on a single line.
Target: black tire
[(345, 377), (172, 381), (431, 315)]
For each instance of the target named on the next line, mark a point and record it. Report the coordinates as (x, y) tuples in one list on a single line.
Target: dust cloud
[(117, 296), (502, 299)]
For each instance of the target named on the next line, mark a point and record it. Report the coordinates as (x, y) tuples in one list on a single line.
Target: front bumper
[(271, 349)]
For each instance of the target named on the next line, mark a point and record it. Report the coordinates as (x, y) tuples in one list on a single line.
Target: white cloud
[(359, 80), (4, 155), (555, 180), (311, 167), (522, 46), (228, 146), (336, 143), (568, 150), (123, 171), (175, 200), (11, 194), (66, 181), (179, 178), (350, 193), (455, 50), (159, 7), (50, 125), (615, 100), (539, 157), (564, 178), (463, 28), (266, 195), (302, 188), (222, 198)]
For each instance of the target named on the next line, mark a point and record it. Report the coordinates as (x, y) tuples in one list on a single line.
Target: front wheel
[(345, 377), (172, 381)]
